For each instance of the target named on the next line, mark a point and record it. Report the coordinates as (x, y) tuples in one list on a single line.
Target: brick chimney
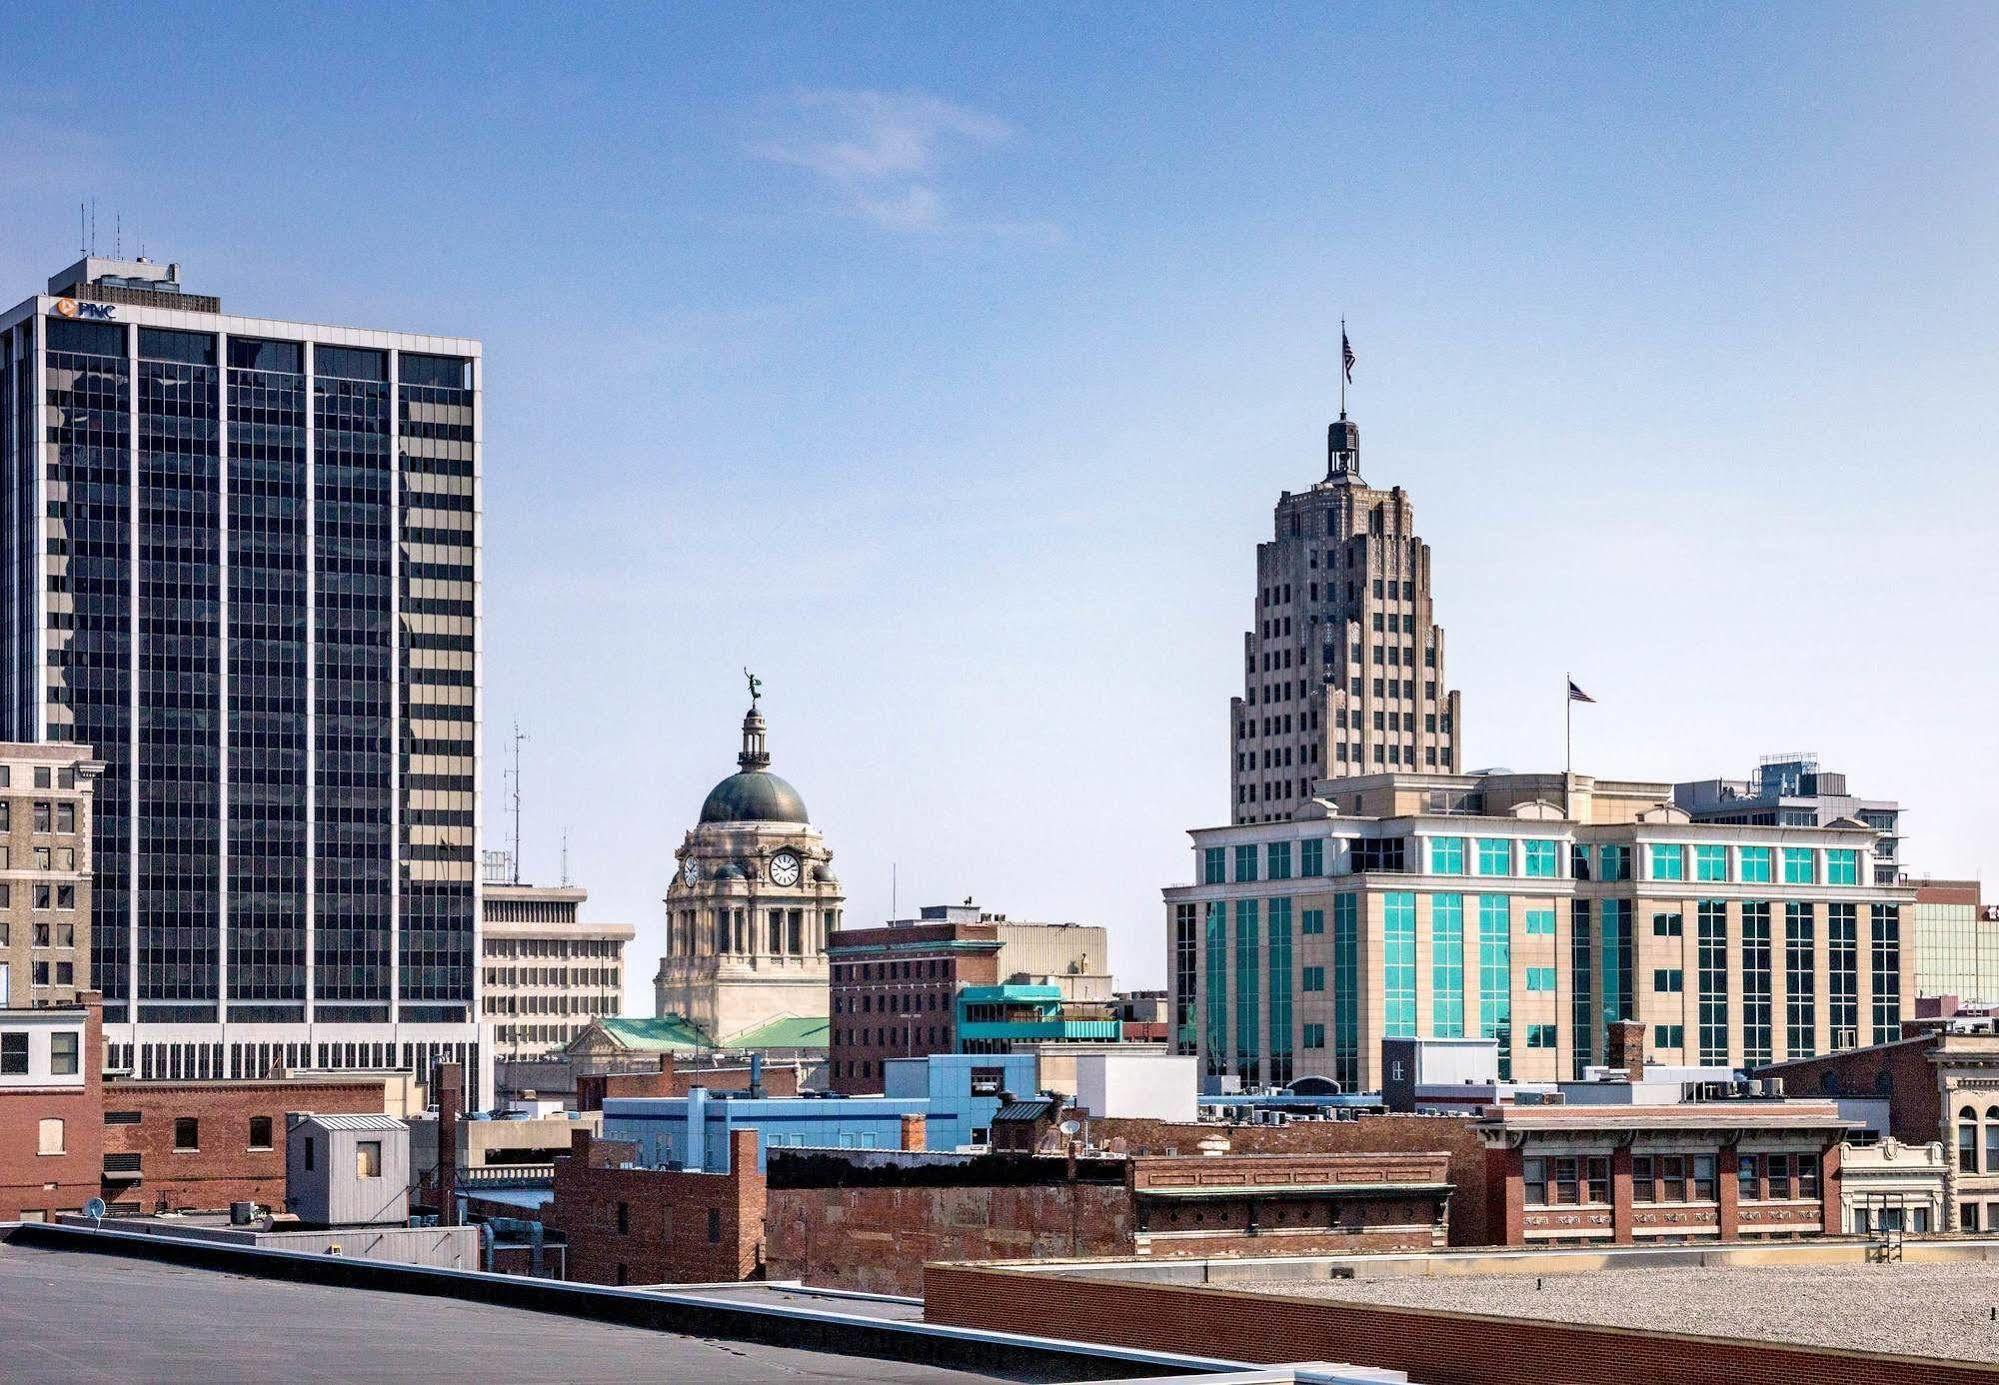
[(913, 1133), (1624, 1047), (449, 1079)]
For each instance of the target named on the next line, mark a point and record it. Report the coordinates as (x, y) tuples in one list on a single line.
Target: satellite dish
[(94, 1209), (1069, 1127)]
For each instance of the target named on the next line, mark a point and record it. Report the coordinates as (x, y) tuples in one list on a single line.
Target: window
[(1540, 923), (1447, 855), (14, 1054), (1668, 979), (1314, 979), (1667, 925), (1668, 862), (1495, 977), (1315, 921), (1279, 855), (1399, 963), (624, 1218), (43, 815), (1540, 978), (1668, 1036), (1315, 1036), (260, 1132), (1710, 863), (310, 1151), (1245, 862), (1800, 865), (1747, 1177), (65, 817), (63, 1052), (1967, 1140), (1704, 1178), (714, 1225), (1616, 863), (1541, 1036), (1755, 863), (1447, 965), (1842, 868), (1312, 857), (1540, 858), (1992, 1137), (187, 1134), (367, 1158), (1214, 865), (1495, 856)]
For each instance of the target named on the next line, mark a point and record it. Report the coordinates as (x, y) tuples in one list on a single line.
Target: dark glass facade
[(268, 640), (179, 812)]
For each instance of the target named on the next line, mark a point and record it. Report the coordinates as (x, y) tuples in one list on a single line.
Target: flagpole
[(1568, 741), (1343, 367)]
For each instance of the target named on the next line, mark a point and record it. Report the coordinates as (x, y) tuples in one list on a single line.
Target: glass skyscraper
[(242, 563)]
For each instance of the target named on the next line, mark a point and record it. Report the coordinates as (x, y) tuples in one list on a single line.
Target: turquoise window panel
[(1214, 865), (1540, 923), (1245, 862), (1755, 863), (1279, 860), (1541, 979), (1669, 861), (1710, 863), (1495, 976), (1495, 856), (1312, 857), (1541, 859), (1314, 922), (1447, 855), (1447, 966), (1800, 865), (1842, 868), (1398, 963)]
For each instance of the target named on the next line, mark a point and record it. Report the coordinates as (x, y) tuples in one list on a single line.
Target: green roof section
[(665, 1034), (790, 1031)]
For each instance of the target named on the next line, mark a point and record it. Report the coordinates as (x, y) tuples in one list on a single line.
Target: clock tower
[(752, 901)]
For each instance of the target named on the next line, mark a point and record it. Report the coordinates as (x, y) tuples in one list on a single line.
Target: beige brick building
[(1343, 669), (547, 972), (45, 802), (1474, 905)]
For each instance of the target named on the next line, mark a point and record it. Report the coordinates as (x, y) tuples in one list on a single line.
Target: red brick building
[(204, 1145), (895, 992), (674, 1081), (1720, 1170), (658, 1226), (51, 1109)]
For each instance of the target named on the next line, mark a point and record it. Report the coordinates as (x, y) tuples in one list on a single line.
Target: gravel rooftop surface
[(1939, 1310)]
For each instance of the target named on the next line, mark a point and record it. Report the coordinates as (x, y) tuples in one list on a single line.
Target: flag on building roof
[(1347, 357)]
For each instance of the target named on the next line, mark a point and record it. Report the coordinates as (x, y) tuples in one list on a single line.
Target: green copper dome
[(753, 796)]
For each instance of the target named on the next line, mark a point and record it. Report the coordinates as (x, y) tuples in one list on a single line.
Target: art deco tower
[(1343, 669)]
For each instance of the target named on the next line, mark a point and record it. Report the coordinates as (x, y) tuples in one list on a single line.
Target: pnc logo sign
[(69, 307)]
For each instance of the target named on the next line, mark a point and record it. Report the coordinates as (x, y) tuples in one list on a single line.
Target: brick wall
[(1437, 1348), (1900, 1071), (1452, 1135), (225, 1168), (25, 1172), (673, 1081), (658, 1226), (876, 1239)]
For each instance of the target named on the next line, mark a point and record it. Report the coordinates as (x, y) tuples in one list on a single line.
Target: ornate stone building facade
[(1343, 670), (752, 902)]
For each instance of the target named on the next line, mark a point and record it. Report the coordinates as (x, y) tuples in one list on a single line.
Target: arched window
[(1967, 1140), (1992, 1139)]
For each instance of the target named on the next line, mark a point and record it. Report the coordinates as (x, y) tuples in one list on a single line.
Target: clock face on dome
[(690, 871), (784, 868)]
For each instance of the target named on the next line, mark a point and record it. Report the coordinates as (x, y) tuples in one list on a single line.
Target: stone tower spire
[(755, 756), (1343, 450)]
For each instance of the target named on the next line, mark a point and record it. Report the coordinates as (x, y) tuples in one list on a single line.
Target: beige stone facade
[(45, 825), (1343, 669), (545, 972), (1453, 905), (752, 902)]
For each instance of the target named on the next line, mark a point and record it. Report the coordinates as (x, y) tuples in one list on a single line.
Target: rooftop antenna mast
[(519, 736), (82, 231), (565, 858)]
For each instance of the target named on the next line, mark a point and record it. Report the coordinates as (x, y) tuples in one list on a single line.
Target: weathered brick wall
[(676, 1227), (674, 1081), (1437, 1348), (1451, 1135), (1901, 1072), (225, 1168), (25, 1172), (877, 1239)]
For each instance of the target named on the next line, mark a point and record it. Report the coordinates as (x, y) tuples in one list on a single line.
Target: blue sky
[(943, 363)]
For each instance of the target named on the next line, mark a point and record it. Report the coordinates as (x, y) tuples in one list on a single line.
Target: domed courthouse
[(752, 901)]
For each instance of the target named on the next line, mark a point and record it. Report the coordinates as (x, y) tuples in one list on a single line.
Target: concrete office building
[(1474, 905), (1343, 669), (242, 561), (1790, 790), (752, 902), (547, 973), (45, 793)]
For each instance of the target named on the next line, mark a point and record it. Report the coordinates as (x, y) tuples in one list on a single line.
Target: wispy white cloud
[(883, 155)]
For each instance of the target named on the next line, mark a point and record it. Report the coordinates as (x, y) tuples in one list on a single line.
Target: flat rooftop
[(1912, 1308), (80, 1316)]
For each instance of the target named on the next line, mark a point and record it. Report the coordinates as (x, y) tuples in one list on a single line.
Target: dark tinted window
[(90, 338), (192, 348), (447, 372), (350, 363), (250, 353)]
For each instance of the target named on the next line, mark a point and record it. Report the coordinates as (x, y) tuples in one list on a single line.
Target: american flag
[(1576, 694), (1346, 354)]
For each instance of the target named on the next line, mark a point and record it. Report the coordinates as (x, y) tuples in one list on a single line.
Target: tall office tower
[(242, 563), (1343, 670)]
